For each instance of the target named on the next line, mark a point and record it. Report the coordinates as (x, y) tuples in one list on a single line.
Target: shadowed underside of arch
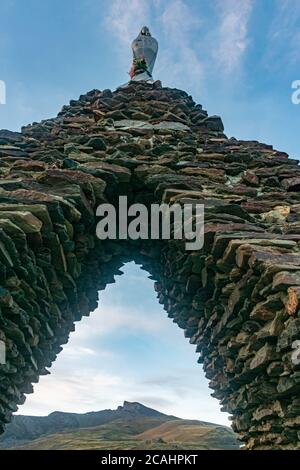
[(236, 299)]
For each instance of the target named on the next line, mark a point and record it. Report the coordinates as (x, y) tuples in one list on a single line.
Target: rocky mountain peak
[(137, 409)]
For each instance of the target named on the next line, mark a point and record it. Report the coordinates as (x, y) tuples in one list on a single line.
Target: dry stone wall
[(237, 299)]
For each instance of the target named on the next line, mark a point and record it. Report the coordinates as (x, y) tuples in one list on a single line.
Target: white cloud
[(72, 391), (80, 351), (180, 60), (109, 319), (232, 35), (126, 17), (178, 19)]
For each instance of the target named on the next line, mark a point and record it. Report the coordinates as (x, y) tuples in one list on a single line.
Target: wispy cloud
[(233, 33), (109, 319), (80, 391), (178, 19), (126, 17), (284, 34), (80, 351), (181, 62), (173, 23)]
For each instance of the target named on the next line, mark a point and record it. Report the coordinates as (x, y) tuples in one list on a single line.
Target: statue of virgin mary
[(144, 49)]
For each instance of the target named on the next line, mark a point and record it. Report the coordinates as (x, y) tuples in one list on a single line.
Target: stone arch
[(236, 299)]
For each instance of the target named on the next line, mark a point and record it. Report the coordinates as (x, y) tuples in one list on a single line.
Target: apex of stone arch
[(144, 48), (237, 299)]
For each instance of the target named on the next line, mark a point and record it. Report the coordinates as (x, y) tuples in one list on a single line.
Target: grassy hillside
[(192, 433)]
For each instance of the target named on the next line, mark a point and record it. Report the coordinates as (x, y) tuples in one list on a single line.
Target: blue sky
[(238, 58)]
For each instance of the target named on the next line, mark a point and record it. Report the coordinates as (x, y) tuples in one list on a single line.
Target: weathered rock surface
[(237, 299)]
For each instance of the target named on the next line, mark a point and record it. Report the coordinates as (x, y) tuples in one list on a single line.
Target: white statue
[(144, 49)]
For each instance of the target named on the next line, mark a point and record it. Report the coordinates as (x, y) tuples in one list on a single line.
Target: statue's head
[(145, 31)]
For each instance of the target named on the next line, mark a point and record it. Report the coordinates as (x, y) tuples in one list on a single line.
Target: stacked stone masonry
[(237, 299)]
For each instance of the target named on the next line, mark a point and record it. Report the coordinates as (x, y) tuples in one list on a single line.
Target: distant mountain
[(27, 428), (131, 426)]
